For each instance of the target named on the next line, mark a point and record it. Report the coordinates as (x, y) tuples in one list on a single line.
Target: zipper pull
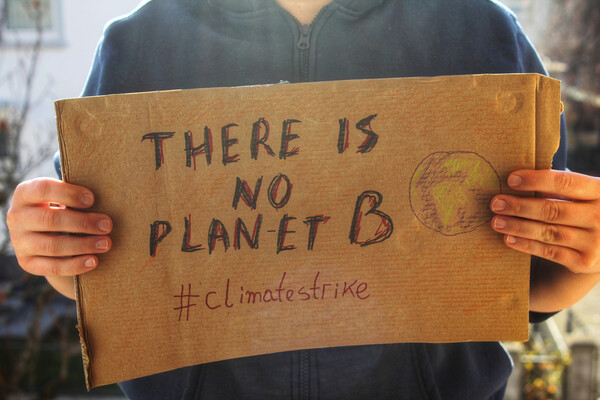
[(304, 42)]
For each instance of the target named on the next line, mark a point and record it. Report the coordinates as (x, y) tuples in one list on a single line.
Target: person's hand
[(563, 226), (50, 234)]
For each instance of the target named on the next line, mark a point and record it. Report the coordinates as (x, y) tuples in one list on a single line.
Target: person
[(179, 44)]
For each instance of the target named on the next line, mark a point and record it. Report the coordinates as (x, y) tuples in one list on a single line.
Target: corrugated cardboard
[(263, 219)]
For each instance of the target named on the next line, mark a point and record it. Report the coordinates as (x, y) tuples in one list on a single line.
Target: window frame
[(53, 36)]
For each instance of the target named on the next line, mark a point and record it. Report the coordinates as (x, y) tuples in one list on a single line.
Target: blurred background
[(46, 49)]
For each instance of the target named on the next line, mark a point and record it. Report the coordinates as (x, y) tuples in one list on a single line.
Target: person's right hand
[(50, 234)]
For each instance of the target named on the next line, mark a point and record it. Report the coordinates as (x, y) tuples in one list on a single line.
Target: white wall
[(62, 68), (83, 21)]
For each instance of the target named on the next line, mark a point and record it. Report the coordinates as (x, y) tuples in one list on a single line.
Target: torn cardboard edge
[(543, 124), (85, 351), (545, 118), (65, 169)]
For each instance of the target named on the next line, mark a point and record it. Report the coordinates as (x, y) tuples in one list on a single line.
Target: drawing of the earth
[(450, 192)]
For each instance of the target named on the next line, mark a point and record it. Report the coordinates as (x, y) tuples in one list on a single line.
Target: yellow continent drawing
[(450, 192)]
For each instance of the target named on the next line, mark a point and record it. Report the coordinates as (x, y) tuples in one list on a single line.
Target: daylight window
[(26, 18), (27, 14)]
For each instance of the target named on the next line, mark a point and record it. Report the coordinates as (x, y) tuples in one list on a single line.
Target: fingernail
[(514, 180), (90, 263), (498, 205), (104, 225), (511, 239), (102, 244), (87, 199), (499, 223)]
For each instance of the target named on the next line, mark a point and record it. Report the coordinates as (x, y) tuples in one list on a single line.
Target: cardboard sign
[(263, 219)]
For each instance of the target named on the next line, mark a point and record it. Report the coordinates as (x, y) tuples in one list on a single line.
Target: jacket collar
[(358, 6), (251, 6)]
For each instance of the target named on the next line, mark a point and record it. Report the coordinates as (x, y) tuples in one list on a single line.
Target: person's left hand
[(563, 226)]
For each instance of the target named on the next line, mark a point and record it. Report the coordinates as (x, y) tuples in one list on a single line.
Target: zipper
[(304, 44), (304, 47), (304, 375)]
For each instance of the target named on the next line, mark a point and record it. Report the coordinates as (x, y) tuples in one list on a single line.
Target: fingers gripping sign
[(562, 226), (44, 215)]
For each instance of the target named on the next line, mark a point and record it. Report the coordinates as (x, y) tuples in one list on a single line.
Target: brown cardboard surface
[(362, 218)]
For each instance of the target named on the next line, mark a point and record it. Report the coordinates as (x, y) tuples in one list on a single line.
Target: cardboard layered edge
[(64, 161), (547, 119)]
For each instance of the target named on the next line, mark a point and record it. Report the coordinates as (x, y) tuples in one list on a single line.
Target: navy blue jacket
[(178, 44)]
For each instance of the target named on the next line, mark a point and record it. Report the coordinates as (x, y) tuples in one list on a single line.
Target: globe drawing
[(450, 192)]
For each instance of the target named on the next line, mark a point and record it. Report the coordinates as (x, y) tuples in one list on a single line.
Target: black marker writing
[(157, 138)]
